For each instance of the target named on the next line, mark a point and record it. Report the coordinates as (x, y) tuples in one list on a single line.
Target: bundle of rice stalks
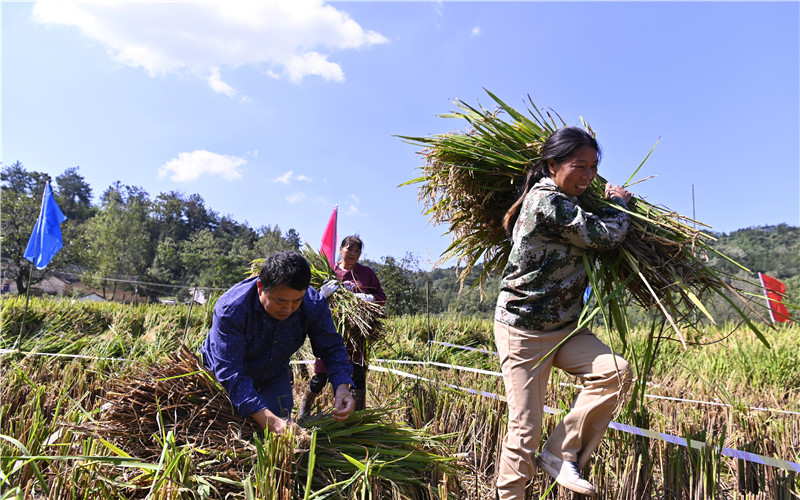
[(177, 395), (406, 460), (178, 402), (470, 179), (359, 322)]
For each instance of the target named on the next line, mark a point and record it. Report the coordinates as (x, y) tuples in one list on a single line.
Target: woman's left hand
[(617, 192)]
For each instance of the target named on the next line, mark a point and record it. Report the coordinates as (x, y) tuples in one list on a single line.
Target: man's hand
[(365, 296), (268, 420), (328, 288), (344, 404)]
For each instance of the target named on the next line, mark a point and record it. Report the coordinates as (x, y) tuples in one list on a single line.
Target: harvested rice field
[(115, 405)]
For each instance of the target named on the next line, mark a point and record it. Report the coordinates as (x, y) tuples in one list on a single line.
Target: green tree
[(18, 180), (271, 240), (199, 255), (18, 213), (118, 238), (292, 238), (168, 216), (74, 195), (167, 266), (197, 215), (403, 295)]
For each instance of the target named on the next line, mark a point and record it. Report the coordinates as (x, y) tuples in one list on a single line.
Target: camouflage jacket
[(545, 278)]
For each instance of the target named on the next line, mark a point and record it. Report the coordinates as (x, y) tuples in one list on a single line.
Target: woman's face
[(350, 255), (574, 174)]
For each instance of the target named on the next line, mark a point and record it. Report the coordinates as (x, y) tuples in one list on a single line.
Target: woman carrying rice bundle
[(537, 311), (364, 283)]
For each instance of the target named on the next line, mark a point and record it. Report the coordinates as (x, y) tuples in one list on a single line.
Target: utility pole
[(428, 314)]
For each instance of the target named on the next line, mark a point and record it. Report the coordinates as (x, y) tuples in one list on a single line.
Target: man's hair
[(285, 268)]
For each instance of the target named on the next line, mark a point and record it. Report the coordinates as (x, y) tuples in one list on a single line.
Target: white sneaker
[(565, 473)]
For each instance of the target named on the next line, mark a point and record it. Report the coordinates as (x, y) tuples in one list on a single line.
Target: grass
[(45, 398)]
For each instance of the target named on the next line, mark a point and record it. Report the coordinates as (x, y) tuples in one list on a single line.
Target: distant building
[(199, 295), (56, 284), (90, 297)]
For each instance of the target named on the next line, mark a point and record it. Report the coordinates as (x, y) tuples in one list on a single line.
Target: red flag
[(329, 238), (774, 290)]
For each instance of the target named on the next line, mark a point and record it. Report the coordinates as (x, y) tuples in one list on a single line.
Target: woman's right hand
[(328, 288), (617, 192)]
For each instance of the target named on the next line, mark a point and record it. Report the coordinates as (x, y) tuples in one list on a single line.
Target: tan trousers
[(604, 375)]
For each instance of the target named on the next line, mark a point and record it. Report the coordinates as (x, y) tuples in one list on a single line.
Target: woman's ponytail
[(535, 174)]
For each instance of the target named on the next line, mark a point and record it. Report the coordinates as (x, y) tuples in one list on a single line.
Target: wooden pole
[(25, 311)]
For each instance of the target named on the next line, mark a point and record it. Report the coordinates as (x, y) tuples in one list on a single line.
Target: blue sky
[(274, 112)]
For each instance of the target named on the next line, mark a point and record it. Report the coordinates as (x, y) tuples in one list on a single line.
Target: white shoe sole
[(566, 484)]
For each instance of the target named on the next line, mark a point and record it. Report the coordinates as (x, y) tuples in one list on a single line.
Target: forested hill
[(772, 250)]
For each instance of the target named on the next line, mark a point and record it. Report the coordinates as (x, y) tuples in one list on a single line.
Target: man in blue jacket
[(258, 325)]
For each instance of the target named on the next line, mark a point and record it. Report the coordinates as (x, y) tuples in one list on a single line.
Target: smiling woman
[(538, 309), (362, 281), (632, 252), (574, 175)]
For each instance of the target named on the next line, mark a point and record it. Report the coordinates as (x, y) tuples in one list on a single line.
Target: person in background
[(362, 281), (258, 325), (540, 300)]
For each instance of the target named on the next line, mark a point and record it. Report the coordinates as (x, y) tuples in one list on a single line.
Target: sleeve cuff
[(341, 379), (618, 200), (247, 408)]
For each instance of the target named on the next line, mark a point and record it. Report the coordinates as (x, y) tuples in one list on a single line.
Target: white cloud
[(313, 63), (291, 39), (288, 176), (296, 197), (218, 85), (352, 210), (476, 31), (352, 207), (284, 179), (190, 166)]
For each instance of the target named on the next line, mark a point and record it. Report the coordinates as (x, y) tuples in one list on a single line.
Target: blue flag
[(587, 294), (45, 241)]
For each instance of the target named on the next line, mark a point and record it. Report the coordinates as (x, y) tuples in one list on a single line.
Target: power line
[(139, 282)]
